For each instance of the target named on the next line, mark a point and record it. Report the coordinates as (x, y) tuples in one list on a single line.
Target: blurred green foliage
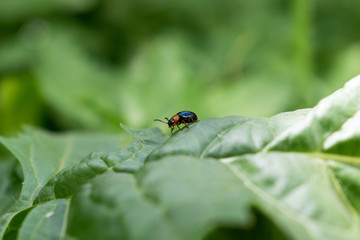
[(89, 64)]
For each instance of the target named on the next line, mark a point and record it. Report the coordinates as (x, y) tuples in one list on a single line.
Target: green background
[(89, 64)]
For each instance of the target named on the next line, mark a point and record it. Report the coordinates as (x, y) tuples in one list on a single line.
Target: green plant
[(291, 176)]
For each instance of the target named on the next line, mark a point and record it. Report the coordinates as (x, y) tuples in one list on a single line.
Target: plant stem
[(303, 58)]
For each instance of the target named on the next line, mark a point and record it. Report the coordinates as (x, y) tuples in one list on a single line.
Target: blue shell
[(187, 114)]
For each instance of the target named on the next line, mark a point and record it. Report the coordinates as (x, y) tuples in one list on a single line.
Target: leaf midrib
[(334, 157)]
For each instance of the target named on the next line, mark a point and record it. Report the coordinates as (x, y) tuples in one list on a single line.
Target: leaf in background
[(91, 90), (13, 56), (99, 96), (20, 9), (42, 155), (20, 103), (148, 85)]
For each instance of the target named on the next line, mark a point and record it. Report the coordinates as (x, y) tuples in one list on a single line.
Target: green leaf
[(46, 221), (11, 222), (330, 124), (228, 136), (299, 169), (300, 193), (91, 100), (170, 199), (42, 155), (10, 184), (66, 182), (194, 194), (295, 187), (348, 178)]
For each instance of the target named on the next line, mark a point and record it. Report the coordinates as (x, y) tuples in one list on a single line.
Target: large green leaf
[(299, 170), (295, 186)]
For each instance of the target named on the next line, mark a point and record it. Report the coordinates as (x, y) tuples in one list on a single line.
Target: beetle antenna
[(160, 120)]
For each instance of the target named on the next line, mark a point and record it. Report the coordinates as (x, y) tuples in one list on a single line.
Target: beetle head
[(170, 122)]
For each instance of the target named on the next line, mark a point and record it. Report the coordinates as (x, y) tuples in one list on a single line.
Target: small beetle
[(184, 117)]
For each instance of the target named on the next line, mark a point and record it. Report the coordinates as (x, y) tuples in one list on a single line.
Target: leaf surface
[(299, 169), (46, 221), (159, 202), (66, 182), (42, 155)]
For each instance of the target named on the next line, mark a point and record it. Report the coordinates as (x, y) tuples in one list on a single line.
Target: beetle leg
[(192, 120), (172, 128), (184, 122)]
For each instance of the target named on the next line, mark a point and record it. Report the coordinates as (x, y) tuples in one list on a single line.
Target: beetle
[(184, 117)]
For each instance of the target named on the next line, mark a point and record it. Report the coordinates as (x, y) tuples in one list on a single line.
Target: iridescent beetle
[(184, 117)]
